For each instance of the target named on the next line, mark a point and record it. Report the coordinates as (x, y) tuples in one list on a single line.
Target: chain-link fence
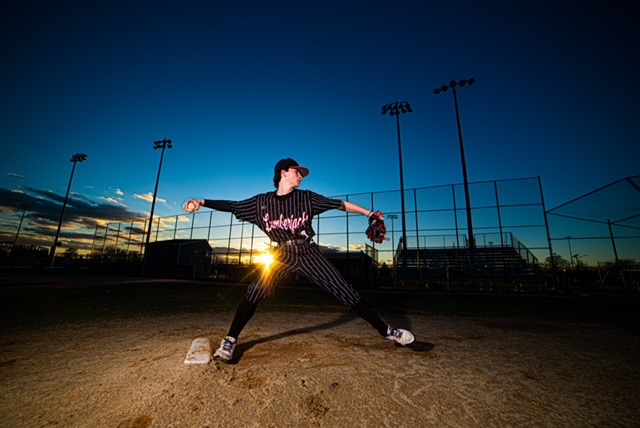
[(506, 213), (600, 231), (592, 241)]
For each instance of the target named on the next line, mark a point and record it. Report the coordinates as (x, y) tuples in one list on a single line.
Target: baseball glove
[(377, 230)]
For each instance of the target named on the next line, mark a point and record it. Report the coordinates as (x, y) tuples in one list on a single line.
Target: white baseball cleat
[(400, 336), (225, 351)]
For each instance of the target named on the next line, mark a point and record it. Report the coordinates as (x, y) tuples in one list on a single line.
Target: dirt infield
[(80, 352)]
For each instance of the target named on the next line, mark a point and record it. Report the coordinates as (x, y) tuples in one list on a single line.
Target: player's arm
[(193, 205), (350, 207)]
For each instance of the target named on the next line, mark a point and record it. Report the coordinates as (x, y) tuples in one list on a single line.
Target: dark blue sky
[(239, 85)]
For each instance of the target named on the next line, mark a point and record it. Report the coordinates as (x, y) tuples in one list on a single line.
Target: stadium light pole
[(395, 109), (157, 145), (25, 208), (453, 85), (569, 238), (78, 157)]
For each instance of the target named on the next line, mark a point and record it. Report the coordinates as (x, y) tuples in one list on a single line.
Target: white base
[(200, 352)]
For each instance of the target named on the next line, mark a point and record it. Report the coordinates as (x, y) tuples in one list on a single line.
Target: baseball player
[(285, 217)]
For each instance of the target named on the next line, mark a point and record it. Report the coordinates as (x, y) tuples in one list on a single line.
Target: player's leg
[(398, 335), (245, 311), (319, 270), (258, 290)]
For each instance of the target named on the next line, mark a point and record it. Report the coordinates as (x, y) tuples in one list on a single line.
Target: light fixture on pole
[(162, 145), (578, 257), (78, 157), (453, 85), (395, 109)]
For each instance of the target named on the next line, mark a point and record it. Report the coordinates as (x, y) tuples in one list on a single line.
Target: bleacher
[(490, 268)]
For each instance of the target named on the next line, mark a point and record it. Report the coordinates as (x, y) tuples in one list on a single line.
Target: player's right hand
[(192, 205)]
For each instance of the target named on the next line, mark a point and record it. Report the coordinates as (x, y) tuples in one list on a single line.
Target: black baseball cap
[(289, 163)]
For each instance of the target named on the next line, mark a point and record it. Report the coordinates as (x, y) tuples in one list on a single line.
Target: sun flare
[(265, 259)]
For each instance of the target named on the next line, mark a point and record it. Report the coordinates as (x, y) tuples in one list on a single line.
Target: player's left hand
[(378, 214), (377, 230)]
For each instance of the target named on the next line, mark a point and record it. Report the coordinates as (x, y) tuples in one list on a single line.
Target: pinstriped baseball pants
[(307, 260)]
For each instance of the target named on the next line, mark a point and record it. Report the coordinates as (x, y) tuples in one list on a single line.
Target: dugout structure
[(179, 258)]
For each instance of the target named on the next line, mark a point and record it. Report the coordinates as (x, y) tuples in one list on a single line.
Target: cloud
[(84, 216), (165, 222), (46, 207), (145, 197), (184, 219), (114, 201), (149, 197), (119, 192), (329, 248), (15, 175)]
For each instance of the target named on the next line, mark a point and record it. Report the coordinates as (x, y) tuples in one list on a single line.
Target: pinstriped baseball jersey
[(286, 217)]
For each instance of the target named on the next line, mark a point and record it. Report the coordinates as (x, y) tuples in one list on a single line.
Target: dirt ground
[(76, 352)]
